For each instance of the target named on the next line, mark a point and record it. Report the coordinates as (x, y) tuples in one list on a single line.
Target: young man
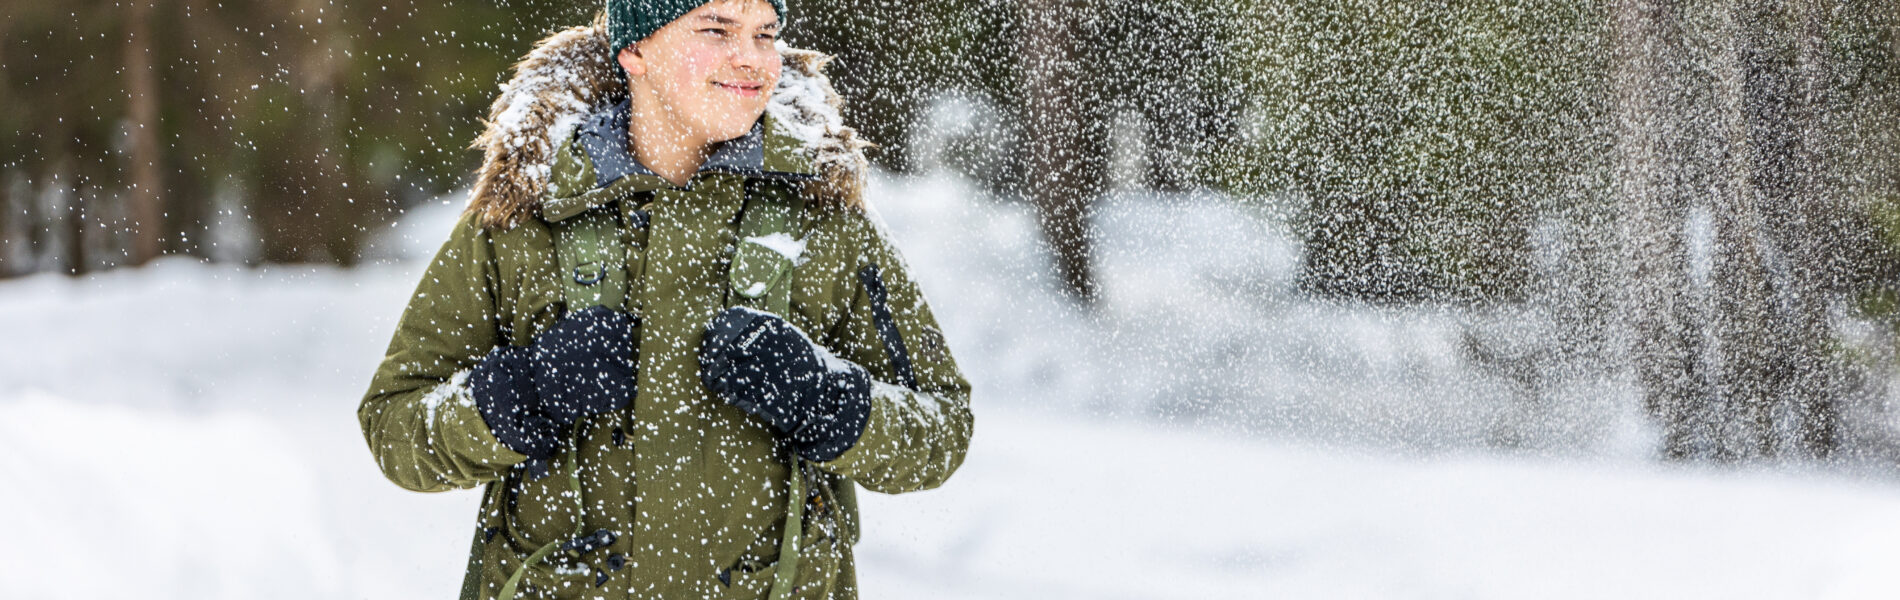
[(667, 338)]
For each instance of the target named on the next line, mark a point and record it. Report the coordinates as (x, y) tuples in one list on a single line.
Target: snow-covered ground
[(188, 431)]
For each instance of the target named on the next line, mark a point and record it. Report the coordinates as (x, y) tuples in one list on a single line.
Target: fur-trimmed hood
[(570, 74)]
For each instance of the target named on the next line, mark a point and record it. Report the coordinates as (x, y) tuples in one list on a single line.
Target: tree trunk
[(10, 217), (301, 204), (342, 199), (1649, 62), (1726, 225), (142, 155), (1785, 73), (74, 214), (1064, 165), (1738, 292), (11, 214)]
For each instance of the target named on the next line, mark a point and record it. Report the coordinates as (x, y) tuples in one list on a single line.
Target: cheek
[(696, 68), (773, 71)]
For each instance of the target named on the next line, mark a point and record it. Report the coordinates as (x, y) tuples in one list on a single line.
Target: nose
[(757, 58)]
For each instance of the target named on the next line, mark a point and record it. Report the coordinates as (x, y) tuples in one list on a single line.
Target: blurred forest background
[(1705, 195)]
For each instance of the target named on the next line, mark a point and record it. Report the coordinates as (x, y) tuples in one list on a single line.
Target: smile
[(743, 89)]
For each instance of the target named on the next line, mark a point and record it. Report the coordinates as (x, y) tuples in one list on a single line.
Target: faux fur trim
[(560, 82)]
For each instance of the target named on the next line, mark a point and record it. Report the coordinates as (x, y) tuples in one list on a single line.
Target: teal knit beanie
[(630, 21)]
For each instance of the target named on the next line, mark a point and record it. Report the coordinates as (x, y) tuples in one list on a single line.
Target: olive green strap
[(845, 497), (761, 278), (508, 589), (593, 273), (794, 529)]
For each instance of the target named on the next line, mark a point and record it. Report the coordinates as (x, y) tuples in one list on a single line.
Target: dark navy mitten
[(766, 367), (584, 365), (503, 387)]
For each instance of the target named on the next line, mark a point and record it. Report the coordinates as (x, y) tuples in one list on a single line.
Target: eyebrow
[(733, 23)]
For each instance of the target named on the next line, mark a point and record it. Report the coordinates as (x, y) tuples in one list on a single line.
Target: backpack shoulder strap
[(762, 279), (591, 258), (590, 254)]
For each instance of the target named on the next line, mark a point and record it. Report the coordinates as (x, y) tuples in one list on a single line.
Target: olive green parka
[(693, 490)]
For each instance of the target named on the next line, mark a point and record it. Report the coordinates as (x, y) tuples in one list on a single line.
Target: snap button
[(615, 562)]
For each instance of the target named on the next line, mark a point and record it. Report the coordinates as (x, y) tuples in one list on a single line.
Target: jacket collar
[(604, 137), (603, 169)]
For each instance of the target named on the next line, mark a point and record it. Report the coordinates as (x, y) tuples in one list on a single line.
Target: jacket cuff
[(876, 433), (455, 423)]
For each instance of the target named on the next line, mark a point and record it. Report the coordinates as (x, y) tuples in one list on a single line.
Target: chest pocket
[(591, 250)]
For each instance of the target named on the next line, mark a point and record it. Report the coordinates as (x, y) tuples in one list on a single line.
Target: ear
[(631, 60)]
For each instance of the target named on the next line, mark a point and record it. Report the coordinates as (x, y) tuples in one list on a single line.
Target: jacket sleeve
[(917, 436), (418, 415)]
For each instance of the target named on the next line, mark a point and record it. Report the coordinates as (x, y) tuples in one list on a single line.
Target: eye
[(768, 36), (714, 31)]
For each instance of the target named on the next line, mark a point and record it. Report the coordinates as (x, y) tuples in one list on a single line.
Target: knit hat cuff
[(630, 21)]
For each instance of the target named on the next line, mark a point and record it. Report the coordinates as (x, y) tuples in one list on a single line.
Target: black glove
[(766, 367), (583, 365)]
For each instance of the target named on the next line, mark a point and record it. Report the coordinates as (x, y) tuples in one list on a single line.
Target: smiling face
[(706, 76)]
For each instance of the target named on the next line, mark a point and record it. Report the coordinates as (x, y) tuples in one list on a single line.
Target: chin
[(736, 127)]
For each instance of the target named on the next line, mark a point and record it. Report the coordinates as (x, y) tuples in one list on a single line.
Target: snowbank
[(1047, 508)]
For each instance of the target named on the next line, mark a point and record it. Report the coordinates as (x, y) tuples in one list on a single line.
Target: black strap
[(887, 326)]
